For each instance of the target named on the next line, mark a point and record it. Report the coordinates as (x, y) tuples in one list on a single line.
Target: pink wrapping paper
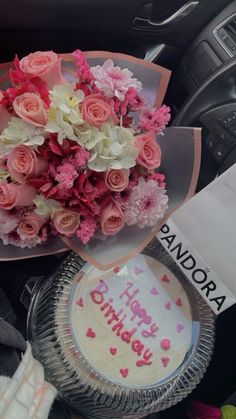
[(181, 155)]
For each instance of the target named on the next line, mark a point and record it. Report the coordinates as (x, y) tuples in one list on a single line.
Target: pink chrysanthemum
[(146, 205), (86, 229), (66, 174), (155, 120), (114, 81), (8, 222)]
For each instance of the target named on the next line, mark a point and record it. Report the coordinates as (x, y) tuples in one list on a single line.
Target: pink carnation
[(114, 81), (155, 120), (86, 229), (146, 205)]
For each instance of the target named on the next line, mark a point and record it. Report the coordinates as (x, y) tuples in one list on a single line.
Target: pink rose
[(149, 151), (46, 65), (97, 109), (117, 180), (112, 219), (30, 225), (30, 108), (12, 195), (23, 164), (66, 222)]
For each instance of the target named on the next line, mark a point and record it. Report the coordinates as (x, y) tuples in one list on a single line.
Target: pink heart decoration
[(168, 306), (165, 278), (80, 302), (165, 361), (124, 372), (116, 269), (90, 333), (154, 291), (138, 270), (179, 302), (179, 327), (165, 344), (113, 350)]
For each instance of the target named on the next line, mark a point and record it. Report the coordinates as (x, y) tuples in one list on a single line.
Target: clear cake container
[(123, 343)]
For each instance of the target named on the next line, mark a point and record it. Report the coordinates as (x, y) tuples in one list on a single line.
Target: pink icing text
[(139, 313), (117, 323)]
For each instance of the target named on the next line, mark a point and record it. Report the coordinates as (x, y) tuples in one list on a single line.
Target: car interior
[(196, 40)]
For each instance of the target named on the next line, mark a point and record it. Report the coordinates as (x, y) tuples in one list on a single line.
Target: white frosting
[(146, 306)]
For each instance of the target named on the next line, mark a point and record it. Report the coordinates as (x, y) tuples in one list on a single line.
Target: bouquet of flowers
[(84, 163), (79, 151)]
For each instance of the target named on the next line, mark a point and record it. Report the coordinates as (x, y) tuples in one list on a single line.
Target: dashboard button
[(220, 152), (232, 130), (212, 142), (224, 137), (228, 119)]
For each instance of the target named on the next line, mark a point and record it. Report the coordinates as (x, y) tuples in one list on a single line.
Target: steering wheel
[(213, 107)]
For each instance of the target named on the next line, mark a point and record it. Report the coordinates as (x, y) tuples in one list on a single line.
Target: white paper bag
[(201, 238)]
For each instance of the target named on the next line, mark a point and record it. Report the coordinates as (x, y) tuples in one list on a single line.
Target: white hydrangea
[(65, 98), (58, 125), (64, 113), (112, 147), (20, 132), (88, 136), (44, 206)]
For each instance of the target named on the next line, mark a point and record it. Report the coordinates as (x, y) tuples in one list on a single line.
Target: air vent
[(225, 33)]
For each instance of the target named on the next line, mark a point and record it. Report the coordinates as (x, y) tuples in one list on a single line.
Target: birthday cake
[(132, 324)]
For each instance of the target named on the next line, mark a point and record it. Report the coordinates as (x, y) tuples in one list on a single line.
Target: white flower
[(20, 132), (44, 206), (64, 113), (88, 136), (57, 124), (113, 148), (65, 98)]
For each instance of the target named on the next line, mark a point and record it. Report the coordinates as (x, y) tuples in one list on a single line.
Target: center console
[(215, 45), (207, 79)]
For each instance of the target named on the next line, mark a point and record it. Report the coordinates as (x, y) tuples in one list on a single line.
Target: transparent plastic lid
[(133, 324), (125, 342)]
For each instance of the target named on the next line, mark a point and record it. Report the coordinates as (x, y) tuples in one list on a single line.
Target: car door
[(155, 29)]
